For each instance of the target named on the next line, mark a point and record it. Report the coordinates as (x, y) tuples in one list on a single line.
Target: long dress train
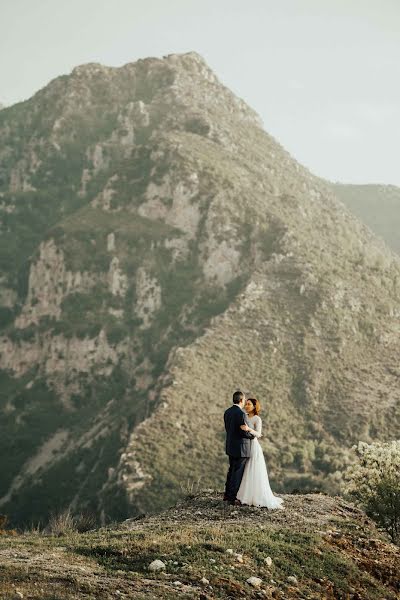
[(254, 488)]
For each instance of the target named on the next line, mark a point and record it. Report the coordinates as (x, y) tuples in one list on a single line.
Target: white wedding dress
[(255, 489)]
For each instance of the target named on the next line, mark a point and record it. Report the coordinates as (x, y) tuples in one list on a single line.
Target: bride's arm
[(246, 432), (257, 431)]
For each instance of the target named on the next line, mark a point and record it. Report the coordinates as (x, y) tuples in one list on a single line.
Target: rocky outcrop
[(174, 203), (59, 356), (148, 294), (49, 283), (117, 280)]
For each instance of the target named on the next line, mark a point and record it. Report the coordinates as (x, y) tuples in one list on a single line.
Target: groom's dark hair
[(237, 397)]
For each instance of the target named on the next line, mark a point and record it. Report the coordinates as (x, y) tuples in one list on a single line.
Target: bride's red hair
[(256, 404)]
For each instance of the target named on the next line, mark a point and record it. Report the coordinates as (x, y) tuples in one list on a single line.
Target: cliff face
[(158, 250)]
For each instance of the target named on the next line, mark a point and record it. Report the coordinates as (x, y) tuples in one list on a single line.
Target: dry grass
[(3, 530), (192, 486), (65, 522), (328, 545)]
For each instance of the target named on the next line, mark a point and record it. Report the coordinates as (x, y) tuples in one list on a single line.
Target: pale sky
[(324, 75)]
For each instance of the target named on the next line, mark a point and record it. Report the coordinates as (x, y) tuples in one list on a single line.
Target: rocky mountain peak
[(89, 69), (157, 247)]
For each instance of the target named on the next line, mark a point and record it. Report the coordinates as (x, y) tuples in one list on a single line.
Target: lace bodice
[(256, 425)]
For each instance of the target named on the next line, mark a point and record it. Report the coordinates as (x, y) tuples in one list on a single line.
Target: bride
[(255, 489)]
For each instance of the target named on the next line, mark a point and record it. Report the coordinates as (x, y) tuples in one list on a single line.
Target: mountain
[(318, 547), (377, 205), (158, 250)]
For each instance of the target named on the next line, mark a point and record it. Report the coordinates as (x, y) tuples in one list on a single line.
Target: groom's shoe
[(235, 502)]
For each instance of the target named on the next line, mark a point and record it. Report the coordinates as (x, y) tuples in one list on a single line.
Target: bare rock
[(254, 581), (156, 565)]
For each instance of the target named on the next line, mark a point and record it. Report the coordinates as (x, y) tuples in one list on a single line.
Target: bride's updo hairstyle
[(256, 405)]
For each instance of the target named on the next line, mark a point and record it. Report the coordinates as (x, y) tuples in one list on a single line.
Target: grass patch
[(191, 553)]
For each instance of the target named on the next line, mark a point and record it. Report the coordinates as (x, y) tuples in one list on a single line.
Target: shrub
[(373, 481), (3, 530), (61, 523), (65, 522)]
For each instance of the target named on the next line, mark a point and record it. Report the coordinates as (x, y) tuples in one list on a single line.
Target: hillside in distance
[(376, 205), (158, 250)]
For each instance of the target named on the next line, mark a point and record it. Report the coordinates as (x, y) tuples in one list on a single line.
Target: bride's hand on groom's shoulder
[(245, 427)]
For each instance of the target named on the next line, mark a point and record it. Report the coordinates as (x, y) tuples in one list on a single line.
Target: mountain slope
[(159, 248), (376, 205)]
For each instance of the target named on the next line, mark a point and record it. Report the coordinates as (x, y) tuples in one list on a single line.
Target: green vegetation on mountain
[(377, 205), (158, 250)]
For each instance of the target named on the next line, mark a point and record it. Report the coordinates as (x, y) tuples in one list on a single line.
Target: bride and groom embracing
[(247, 480)]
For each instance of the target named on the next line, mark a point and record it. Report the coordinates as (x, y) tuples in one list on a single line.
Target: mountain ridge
[(168, 251)]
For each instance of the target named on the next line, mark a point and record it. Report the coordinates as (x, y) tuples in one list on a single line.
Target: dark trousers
[(234, 477)]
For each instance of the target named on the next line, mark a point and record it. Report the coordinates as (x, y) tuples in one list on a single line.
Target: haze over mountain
[(377, 205), (158, 250)]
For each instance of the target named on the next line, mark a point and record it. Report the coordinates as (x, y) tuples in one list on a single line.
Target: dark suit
[(237, 448)]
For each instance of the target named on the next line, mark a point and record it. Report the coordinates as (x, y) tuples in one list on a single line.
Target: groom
[(237, 446)]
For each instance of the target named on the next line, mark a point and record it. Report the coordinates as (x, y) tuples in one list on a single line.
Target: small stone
[(229, 551), (268, 561), (292, 579), (254, 581), (156, 565), (175, 562), (212, 561), (177, 583), (204, 581), (239, 557)]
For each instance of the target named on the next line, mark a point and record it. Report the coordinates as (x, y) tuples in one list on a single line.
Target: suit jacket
[(237, 440)]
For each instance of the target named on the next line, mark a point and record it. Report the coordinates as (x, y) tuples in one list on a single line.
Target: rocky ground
[(318, 547)]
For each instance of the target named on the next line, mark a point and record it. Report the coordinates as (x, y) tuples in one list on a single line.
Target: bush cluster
[(373, 481)]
